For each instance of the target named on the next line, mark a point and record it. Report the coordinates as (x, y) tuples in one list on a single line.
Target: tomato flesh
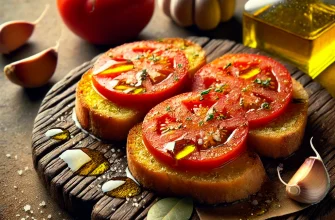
[(195, 131), (146, 74), (265, 86)]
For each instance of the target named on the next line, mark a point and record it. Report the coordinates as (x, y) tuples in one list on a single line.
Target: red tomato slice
[(265, 86), (196, 131), (144, 74)]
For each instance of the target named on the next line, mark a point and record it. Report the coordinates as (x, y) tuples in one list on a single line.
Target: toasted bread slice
[(236, 180), (282, 136), (110, 121)]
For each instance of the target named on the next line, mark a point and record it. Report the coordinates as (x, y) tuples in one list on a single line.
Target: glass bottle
[(302, 31)]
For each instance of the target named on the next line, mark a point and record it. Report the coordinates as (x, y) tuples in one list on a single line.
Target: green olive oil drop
[(302, 31)]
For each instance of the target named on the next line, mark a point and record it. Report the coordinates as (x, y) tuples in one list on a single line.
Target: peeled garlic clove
[(182, 12), (207, 14), (14, 34), (34, 71), (310, 184)]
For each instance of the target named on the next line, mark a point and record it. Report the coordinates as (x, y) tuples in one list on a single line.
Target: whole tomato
[(106, 21)]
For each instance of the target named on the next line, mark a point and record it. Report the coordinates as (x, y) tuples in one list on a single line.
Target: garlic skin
[(182, 12), (310, 184), (207, 14), (34, 71), (14, 34)]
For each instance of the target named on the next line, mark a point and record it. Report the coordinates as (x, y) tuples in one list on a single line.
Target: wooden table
[(18, 106)]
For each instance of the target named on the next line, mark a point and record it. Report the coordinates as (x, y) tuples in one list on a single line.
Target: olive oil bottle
[(302, 31)]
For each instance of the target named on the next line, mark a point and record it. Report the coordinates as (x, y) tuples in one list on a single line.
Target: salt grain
[(15, 187), (15, 157), (26, 168), (20, 172), (26, 208), (49, 216), (8, 155), (42, 204)]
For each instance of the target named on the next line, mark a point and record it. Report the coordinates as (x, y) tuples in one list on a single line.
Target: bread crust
[(234, 181), (283, 136)]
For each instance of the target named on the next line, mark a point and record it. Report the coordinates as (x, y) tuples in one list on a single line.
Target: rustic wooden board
[(81, 196)]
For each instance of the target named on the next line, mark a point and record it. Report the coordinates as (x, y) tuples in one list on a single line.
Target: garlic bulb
[(310, 184), (205, 14)]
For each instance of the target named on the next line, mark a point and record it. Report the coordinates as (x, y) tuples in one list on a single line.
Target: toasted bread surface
[(283, 136), (235, 180), (193, 52), (110, 121)]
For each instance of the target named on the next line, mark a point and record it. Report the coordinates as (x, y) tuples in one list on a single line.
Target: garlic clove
[(14, 34), (207, 14), (182, 12), (164, 5), (34, 71), (310, 184), (227, 9)]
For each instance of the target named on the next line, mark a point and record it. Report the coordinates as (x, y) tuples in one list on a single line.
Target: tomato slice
[(196, 130), (265, 86), (141, 74)]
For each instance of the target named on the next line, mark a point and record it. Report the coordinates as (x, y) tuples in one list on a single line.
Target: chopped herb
[(154, 58), (168, 108), (298, 101), (241, 101), (228, 65), (175, 78), (201, 98), (205, 92), (210, 117), (144, 74), (195, 55), (265, 105), (180, 65), (201, 123), (258, 81), (180, 126), (188, 119), (138, 57), (129, 61), (264, 83), (160, 40), (244, 89)]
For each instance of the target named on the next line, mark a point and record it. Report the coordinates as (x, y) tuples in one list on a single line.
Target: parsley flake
[(180, 65), (210, 117), (205, 92), (228, 65), (265, 105)]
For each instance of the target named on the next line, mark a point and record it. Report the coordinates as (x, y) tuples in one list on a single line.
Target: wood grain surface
[(81, 195)]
